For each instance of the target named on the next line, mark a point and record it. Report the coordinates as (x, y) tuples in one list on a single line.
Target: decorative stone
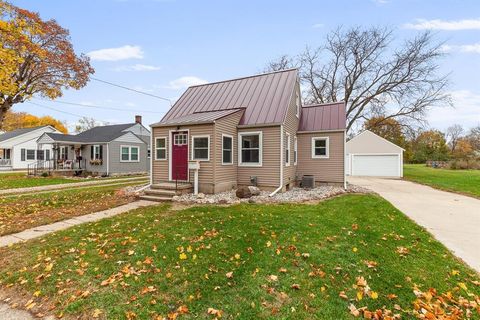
[(243, 192), (255, 191), (201, 195)]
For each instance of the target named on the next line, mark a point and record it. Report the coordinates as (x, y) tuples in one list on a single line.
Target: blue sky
[(162, 46)]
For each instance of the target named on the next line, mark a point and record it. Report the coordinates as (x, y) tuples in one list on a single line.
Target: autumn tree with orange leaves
[(37, 58), (17, 120)]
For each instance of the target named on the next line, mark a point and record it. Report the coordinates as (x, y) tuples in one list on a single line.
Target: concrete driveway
[(453, 219)]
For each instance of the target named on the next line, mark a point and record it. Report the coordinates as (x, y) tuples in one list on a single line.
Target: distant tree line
[(457, 144)]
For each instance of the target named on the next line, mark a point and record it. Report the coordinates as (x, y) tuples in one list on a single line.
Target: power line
[(130, 89), (69, 113), (100, 107)]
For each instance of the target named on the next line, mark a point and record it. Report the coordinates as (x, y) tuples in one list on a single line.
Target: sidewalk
[(61, 225), (68, 185)]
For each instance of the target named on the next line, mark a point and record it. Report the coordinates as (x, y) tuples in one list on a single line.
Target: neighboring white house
[(19, 148), (368, 154)]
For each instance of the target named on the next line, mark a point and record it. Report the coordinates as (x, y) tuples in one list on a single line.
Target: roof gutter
[(281, 164)]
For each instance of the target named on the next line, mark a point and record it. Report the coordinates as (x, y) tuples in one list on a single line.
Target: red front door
[(180, 156)]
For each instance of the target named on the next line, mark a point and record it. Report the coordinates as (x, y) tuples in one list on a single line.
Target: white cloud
[(380, 2), (466, 48), (185, 82), (318, 25), (137, 67), (117, 54), (450, 25), (466, 111)]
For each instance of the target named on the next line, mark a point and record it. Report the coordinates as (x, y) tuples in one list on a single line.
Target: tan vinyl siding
[(226, 175), (291, 126), (206, 172), (329, 170), (160, 167), (268, 175)]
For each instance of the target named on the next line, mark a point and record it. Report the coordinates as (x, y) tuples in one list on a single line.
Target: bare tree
[(86, 123), (474, 137), (363, 68), (453, 135)]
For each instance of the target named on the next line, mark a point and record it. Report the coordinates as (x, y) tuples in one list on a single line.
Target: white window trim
[(164, 148), (129, 153), (94, 157), (327, 145), (295, 150), (192, 154), (288, 149), (260, 149), (231, 150)]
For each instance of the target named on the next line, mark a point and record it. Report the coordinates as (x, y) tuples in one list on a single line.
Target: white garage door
[(376, 165)]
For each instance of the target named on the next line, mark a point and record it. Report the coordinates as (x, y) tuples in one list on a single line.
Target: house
[(103, 150), (371, 155), (248, 131), (18, 148)]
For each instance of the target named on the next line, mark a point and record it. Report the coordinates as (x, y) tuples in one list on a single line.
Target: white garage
[(368, 154)]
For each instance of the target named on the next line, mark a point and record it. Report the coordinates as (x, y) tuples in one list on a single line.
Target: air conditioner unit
[(308, 182)]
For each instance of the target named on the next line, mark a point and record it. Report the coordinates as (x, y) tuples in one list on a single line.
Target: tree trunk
[(4, 107)]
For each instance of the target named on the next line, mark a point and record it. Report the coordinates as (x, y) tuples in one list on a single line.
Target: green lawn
[(460, 181), (14, 180), (244, 262), (20, 212), (21, 180)]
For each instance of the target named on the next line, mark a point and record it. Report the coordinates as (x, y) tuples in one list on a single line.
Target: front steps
[(165, 191)]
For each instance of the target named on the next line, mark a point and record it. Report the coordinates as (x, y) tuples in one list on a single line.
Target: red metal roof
[(320, 117), (265, 97), (196, 118)]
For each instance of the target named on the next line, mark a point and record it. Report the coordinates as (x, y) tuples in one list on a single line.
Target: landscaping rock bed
[(294, 195)]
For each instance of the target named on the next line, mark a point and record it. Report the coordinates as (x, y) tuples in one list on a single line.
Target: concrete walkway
[(61, 225), (69, 185), (453, 219)]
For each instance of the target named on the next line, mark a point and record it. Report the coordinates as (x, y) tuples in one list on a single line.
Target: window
[(96, 152), (320, 146), (180, 139), (287, 149), (227, 149), (30, 154), (201, 148), (161, 148), (250, 147), (63, 153), (295, 150), (40, 155), (129, 154), (47, 154)]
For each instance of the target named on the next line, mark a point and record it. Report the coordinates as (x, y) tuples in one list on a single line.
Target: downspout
[(108, 159), (281, 163)]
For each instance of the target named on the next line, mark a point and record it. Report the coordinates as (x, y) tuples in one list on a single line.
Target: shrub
[(464, 164), (44, 174)]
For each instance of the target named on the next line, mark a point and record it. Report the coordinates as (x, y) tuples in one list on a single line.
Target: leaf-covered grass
[(245, 262), (22, 212), (460, 181), (16, 180)]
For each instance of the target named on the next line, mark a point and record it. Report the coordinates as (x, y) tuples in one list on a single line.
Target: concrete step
[(160, 192), (156, 198), (171, 186)]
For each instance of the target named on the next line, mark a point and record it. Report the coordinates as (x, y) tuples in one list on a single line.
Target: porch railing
[(5, 162), (56, 165)]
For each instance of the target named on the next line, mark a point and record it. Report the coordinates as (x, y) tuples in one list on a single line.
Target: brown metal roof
[(265, 97), (320, 117), (196, 118)]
